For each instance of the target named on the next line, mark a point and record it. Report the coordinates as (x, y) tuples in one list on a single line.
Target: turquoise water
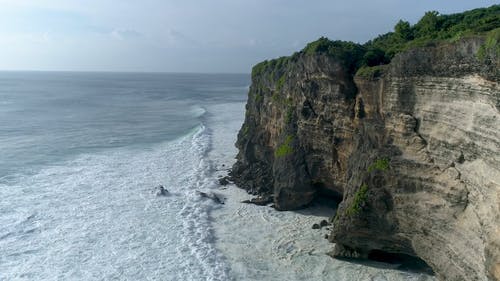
[(80, 155)]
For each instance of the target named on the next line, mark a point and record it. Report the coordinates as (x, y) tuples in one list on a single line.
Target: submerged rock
[(224, 181), (161, 191), (210, 195)]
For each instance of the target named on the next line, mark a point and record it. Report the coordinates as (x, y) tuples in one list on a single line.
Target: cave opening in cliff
[(405, 262), (326, 195)]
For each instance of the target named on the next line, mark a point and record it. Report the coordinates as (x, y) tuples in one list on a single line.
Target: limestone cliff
[(411, 150)]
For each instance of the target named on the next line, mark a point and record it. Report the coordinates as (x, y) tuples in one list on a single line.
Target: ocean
[(82, 155)]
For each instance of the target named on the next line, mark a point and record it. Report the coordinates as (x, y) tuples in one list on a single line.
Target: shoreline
[(261, 243)]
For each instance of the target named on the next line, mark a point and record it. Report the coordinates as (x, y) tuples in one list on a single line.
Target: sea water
[(80, 157)]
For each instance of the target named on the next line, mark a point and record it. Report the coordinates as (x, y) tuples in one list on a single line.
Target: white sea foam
[(197, 111), (96, 217)]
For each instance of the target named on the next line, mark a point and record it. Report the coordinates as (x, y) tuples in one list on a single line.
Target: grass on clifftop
[(349, 53), (430, 29), (271, 66), (370, 71)]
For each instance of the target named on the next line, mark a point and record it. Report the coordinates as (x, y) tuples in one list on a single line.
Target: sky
[(213, 36)]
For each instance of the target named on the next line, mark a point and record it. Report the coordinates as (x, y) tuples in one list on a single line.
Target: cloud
[(173, 37), (124, 34)]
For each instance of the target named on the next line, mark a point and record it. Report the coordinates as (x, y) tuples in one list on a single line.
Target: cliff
[(411, 151)]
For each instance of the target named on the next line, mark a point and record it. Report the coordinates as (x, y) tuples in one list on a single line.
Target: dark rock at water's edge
[(413, 152), (224, 181), (260, 201), (323, 223), (210, 195), (320, 225)]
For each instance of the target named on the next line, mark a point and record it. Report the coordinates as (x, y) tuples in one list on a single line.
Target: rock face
[(413, 154)]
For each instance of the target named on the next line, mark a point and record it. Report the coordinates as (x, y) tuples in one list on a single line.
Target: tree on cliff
[(427, 26), (403, 30)]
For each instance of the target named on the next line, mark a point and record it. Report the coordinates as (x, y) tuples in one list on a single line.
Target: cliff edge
[(410, 150)]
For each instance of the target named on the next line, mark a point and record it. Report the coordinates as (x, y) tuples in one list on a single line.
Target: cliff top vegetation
[(432, 28)]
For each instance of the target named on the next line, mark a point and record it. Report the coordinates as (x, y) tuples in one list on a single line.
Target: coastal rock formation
[(411, 151)]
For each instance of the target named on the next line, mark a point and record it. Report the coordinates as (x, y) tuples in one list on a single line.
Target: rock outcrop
[(412, 152)]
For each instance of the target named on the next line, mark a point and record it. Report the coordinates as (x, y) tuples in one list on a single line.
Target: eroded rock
[(414, 153), (260, 201)]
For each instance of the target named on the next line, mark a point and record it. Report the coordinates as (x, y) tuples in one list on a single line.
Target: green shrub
[(403, 30), (319, 46), (289, 114), (349, 53), (370, 72), (244, 130), (285, 148), (258, 97), (358, 201), (491, 45), (259, 68), (270, 67), (379, 164), (374, 57), (280, 82)]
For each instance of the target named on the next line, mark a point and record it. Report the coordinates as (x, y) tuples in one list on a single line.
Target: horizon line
[(125, 72)]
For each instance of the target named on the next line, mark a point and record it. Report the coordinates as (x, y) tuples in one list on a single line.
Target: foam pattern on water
[(96, 217)]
